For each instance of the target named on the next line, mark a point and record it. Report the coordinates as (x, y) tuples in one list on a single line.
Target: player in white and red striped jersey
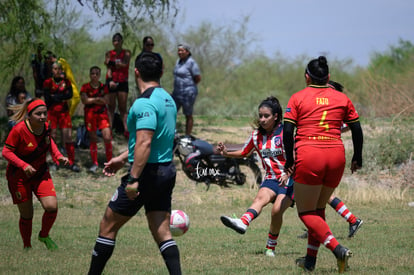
[(267, 141)]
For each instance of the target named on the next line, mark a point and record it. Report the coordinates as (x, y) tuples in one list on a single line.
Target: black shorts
[(121, 87), (156, 185)]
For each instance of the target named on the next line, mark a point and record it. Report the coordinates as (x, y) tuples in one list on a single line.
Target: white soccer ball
[(179, 223)]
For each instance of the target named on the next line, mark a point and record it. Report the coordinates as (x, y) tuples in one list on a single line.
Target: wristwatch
[(132, 179)]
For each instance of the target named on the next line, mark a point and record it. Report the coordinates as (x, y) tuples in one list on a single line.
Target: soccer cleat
[(270, 253), (353, 228), (304, 235), (93, 168), (300, 262), (342, 255), (50, 244), (235, 224), (74, 168)]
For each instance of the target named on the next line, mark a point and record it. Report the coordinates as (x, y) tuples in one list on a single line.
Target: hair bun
[(322, 60)]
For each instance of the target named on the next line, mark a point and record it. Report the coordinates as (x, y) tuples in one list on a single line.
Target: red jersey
[(118, 74), (56, 94), (271, 151), (94, 92), (318, 113), (23, 147)]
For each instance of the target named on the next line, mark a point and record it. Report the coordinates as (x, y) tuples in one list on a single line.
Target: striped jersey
[(270, 149)]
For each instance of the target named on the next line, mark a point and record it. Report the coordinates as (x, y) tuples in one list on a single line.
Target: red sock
[(250, 215), (94, 152), (108, 151), (25, 227), (342, 210), (70, 149), (319, 229), (48, 220), (271, 241), (313, 243)]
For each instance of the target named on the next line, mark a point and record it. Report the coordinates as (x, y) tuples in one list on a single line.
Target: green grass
[(384, 245)]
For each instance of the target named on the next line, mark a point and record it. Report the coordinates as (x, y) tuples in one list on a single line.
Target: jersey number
[(322, 122)]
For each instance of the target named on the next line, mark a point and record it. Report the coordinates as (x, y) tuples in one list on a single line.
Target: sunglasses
[(149, 45)]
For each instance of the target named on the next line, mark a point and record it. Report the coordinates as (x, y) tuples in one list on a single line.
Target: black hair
[(13, 90), (119, 35), (273, 104), (336, 85), (94, 68), (146, 38), (318, 70), (149, 66)]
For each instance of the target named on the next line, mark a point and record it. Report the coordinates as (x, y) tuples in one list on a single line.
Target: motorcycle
[(201, 163)]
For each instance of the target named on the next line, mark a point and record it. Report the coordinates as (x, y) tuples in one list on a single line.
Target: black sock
[(100, 255), (171, 255)]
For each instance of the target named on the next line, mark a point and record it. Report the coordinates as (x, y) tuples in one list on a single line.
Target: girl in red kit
[(276, 188), (318, 112), (57, 92), (117, 63), (94, 96), (25, 149)]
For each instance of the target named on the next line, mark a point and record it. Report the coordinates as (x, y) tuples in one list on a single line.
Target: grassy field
[(384, 245)]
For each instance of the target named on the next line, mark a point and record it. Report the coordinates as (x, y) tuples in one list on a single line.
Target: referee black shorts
[(156, 185)]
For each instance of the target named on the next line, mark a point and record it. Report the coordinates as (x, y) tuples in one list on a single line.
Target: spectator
[(186, 77), (15, 96), (117, 63), (57, 92), (94, 96)]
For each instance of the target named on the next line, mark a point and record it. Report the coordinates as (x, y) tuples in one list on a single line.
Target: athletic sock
[(171, 255), (342, 210), (108, 151), (250, 215), (100, 255), (48, 220), (93, 148), (25, 227), (70, 149), (313, 243), (319, 229), (272, 241)]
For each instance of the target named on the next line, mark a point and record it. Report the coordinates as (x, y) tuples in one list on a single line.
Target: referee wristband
[(132, 179)]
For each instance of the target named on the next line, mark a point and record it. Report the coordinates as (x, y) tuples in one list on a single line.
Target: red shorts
[(61, 119), (95, 121), (21, 189), (319, 165)]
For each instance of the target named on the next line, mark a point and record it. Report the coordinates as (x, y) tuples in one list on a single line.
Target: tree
[(22, 22)]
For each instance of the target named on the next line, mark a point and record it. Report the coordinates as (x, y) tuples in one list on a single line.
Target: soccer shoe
[(269, 252), (353, 228), (93, 168), (304, 235), (342, 255), (50, 244), (74, 168), (235, 224), (300, 262)]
